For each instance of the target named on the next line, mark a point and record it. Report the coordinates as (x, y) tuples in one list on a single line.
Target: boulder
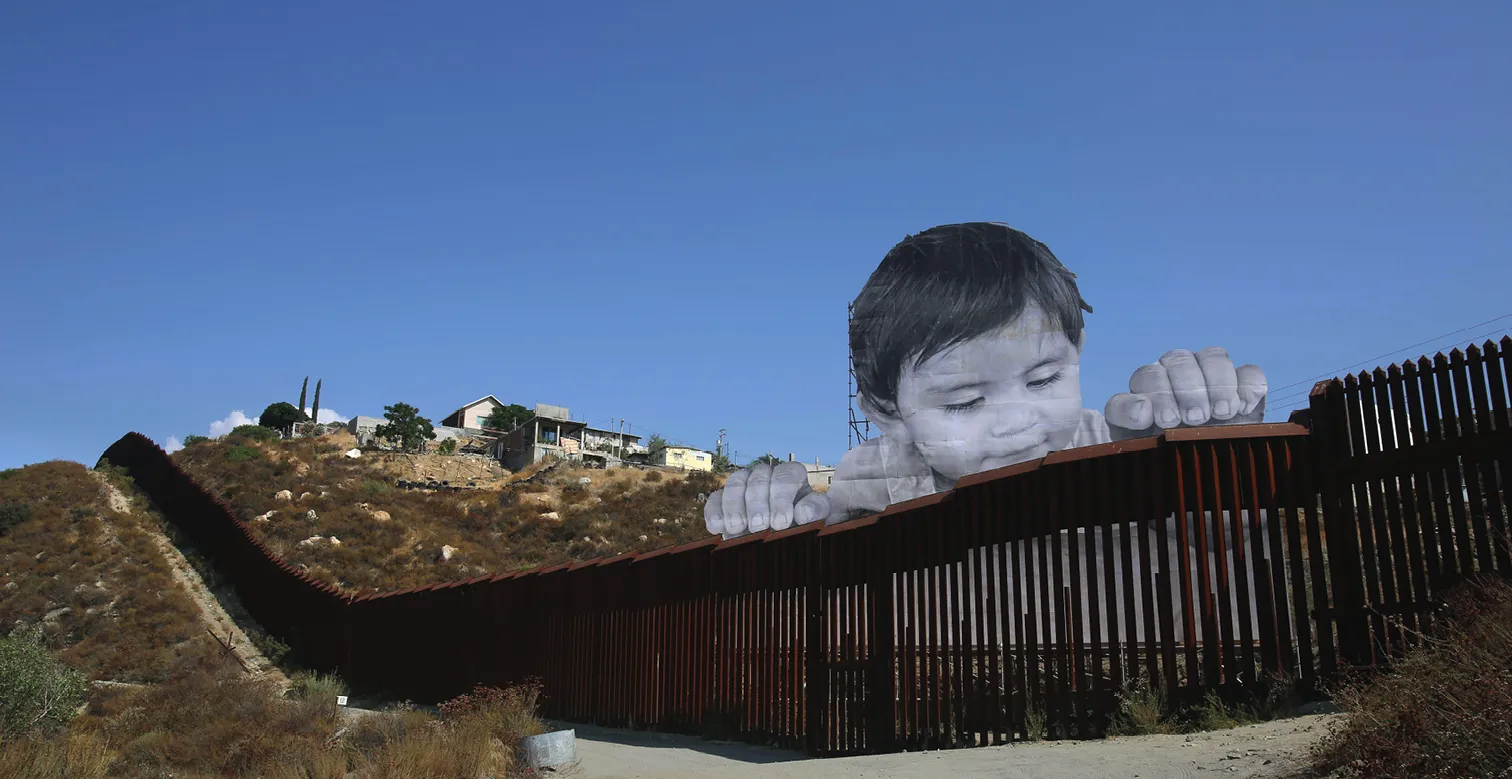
[(645, 537), (303, 496), (659, 521), (354, 453), (263, 517), (310, 515), (550, 515), (334, 541), (381, 515), (312, 540), (446, 554), (585, 480), (283, 495)]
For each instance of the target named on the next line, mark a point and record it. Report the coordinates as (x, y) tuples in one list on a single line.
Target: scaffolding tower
[(860, 427)]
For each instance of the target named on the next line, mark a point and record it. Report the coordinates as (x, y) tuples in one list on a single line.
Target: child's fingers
[(1152, 382), (1189, 385), (1222, 382), (811, 508), (1130, 411), (714, 513), (1252, 387), (758, 498), (789, 485), (733, 502)]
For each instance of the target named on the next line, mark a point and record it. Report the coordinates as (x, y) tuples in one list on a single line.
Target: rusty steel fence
[(1018, 605)]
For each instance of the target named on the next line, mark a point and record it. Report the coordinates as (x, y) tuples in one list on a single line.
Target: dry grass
[(1444, 711), (220, 723), (491, 531), (95, 581), (199, 716)]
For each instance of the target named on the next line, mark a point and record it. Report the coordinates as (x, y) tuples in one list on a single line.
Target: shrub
[(449, 446), (1444, 711), (372, 488), (242, 453), (35, 689), (191, 439), (12, 514), (254, 433)]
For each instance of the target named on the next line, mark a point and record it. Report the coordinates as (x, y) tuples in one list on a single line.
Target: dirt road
[(1272, 749)]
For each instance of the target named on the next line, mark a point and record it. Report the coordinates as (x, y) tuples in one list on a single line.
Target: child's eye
[(956, 408), (1045, 382)]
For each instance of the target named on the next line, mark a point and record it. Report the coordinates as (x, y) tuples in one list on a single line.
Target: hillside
[(345, 521), (90, 572)]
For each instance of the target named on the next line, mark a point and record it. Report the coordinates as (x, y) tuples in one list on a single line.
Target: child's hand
[(759, 497), (1190, 389)]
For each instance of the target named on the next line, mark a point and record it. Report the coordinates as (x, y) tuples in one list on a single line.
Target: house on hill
[(552, 432), (685, 457), (471, 416)]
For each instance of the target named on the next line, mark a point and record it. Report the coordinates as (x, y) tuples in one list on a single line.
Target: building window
[(698, 457)]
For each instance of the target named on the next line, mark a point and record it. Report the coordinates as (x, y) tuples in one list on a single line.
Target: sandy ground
[(1272, 749)]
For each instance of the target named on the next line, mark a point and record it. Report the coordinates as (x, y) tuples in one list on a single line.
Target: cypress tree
[(315, 410), (303, 388)]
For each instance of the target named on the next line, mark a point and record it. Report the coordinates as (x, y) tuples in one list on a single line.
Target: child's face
[(1001, 398)]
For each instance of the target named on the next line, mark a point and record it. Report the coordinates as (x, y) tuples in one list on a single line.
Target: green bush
[(13, 514), (449, 446), (255, 433), (35, 689), (371, 488), (191, 440), (242, 453)]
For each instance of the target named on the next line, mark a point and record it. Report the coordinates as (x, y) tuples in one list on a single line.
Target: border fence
[(1024, 600)]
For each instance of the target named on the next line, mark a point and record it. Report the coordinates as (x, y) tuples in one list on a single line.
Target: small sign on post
[(341, 700)]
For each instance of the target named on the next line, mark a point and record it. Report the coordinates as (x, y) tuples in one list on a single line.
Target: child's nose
[(1012, 419)]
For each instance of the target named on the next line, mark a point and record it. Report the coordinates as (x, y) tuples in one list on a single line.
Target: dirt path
[(1272, 749), (212, 614)]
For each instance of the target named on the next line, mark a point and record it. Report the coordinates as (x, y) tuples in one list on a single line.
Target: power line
[(1334, 373), (1299, 399)]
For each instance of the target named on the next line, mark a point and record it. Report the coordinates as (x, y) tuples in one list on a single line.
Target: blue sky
[(658, 211)]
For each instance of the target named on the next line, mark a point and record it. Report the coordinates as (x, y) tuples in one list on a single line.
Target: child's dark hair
[(947, 285)]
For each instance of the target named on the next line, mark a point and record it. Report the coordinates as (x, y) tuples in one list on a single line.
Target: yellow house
[(685, 457)]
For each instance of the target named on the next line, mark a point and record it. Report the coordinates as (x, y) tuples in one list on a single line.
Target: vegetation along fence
[(1022, 601)]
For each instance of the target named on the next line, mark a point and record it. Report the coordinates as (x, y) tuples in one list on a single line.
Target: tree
[(507, 418), (281, 416), (315, 409), (449, 446), (721, 463), (192, 439), (302, 389), (766, 459), (406, 426), (655, 446)]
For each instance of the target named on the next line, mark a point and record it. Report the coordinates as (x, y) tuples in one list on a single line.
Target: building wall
[(473, 416), (686, 457)]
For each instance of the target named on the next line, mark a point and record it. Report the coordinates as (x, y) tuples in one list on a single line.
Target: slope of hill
[(344, 520), (90, 573), (87, 561)]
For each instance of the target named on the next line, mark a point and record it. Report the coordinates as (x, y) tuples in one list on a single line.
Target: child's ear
[(884, 415)]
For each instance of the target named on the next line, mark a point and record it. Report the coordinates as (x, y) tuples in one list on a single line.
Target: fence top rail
[(717, 544)]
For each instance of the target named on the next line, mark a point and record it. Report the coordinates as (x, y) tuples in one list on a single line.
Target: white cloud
[(232, 421), (172, 444), (327, 416)]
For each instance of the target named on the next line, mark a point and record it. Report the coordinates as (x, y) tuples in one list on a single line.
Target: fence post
[(881, 696), (815, 672), (1330, 439)]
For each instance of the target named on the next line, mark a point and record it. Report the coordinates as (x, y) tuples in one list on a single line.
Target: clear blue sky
[(658, 211)]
